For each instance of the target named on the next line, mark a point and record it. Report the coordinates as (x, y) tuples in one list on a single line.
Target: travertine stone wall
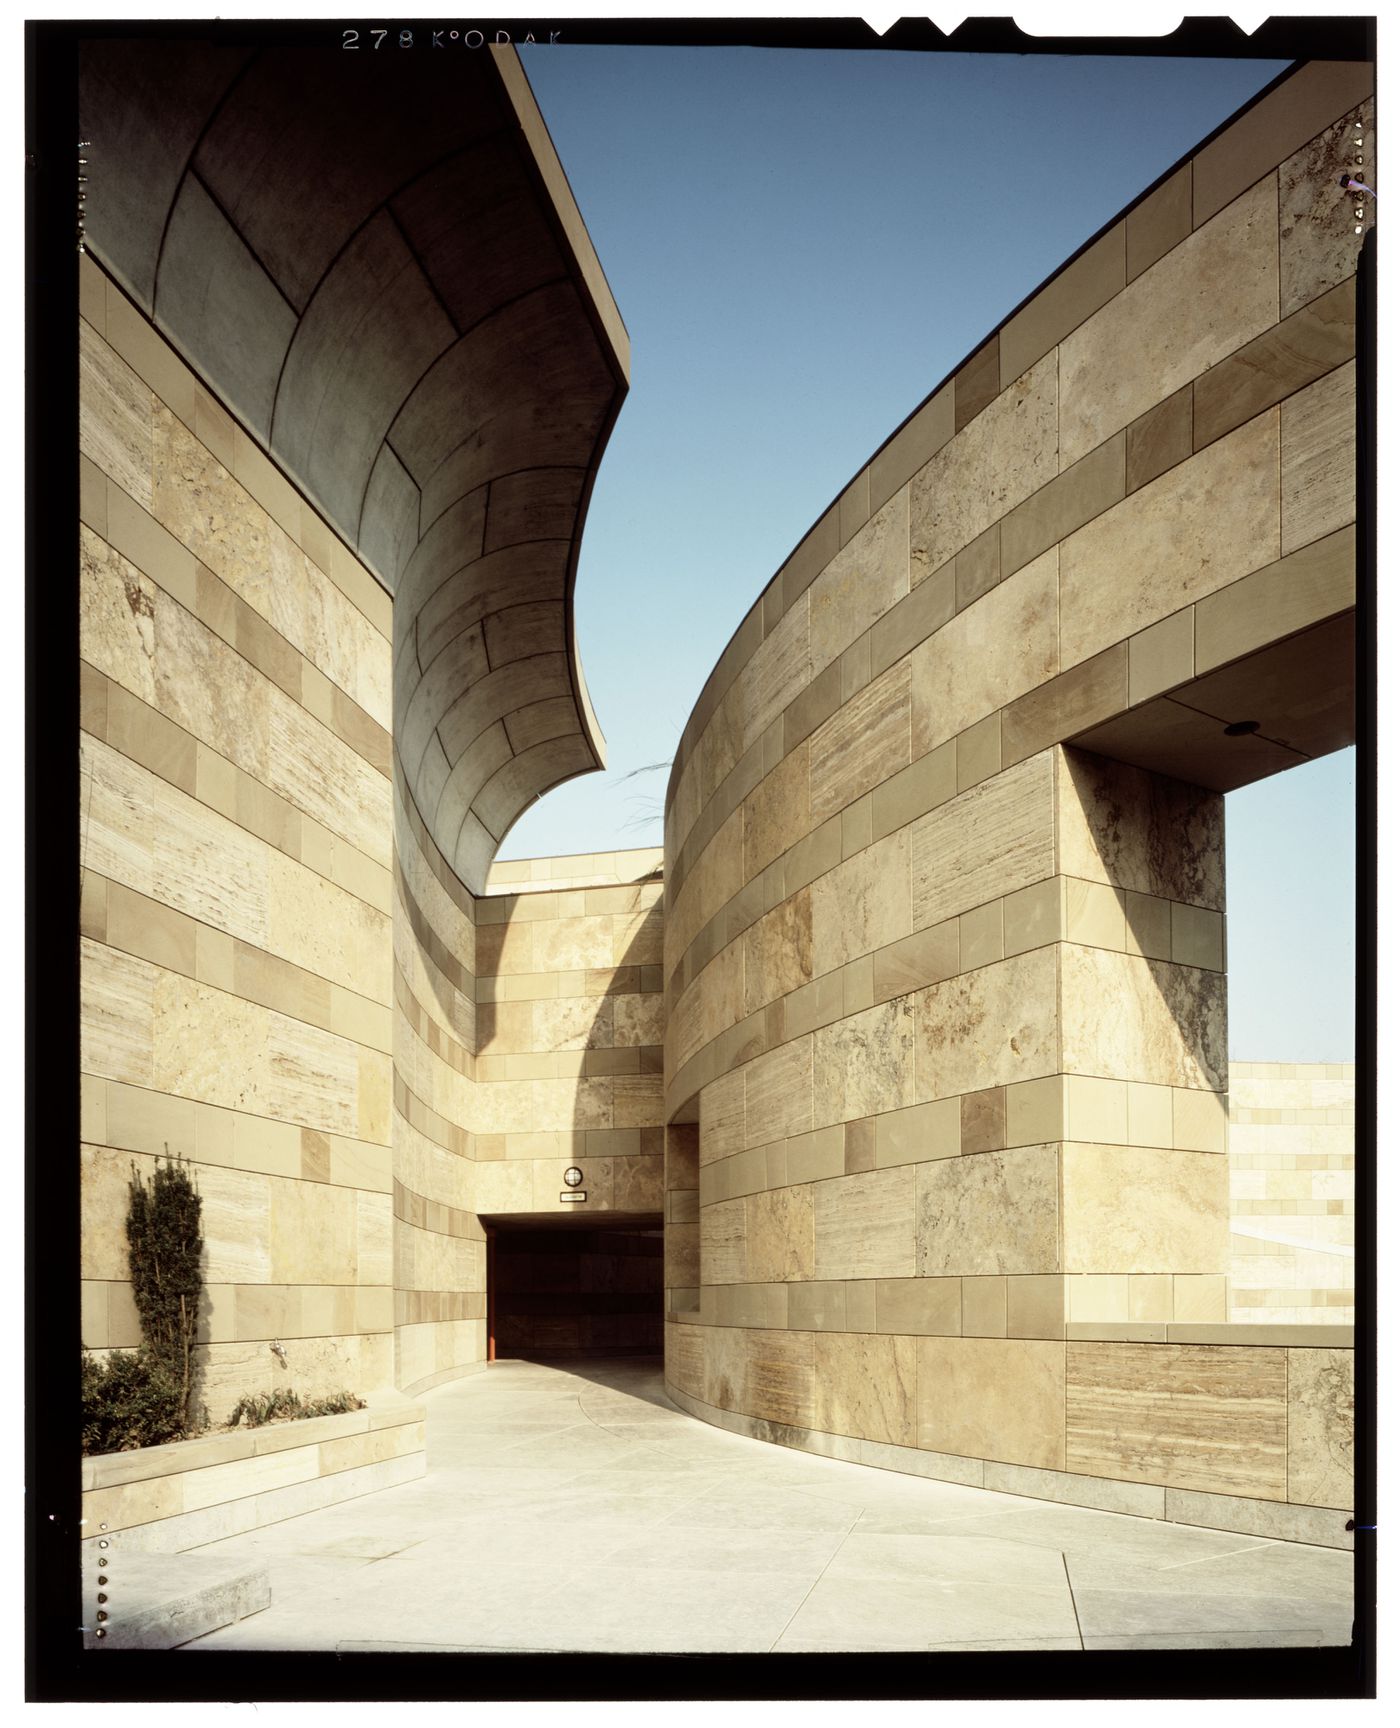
[(1292, 1192), (569, 1030), (283, 979), (527, 1038), (574, 870), (439, 1245), (405, 310), (1231, 1427), (683, 1218), (947, 992), (921, 1050), (235, 849)]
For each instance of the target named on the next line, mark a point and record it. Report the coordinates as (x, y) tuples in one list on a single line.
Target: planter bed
[(170, 1498)]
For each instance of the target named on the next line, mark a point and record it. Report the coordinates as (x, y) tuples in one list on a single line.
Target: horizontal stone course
[(1057, 908), (111, 316), (138, 925), (1196, 1434)]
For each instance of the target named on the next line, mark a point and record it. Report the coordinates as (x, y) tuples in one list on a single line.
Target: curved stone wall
[(527, 1038), (945, 875), (377, 264), (283, 978), (235, 849), (329, 658), (569, 1029), (439, 1244)]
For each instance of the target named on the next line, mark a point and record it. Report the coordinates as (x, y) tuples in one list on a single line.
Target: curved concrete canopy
[(379, 266)]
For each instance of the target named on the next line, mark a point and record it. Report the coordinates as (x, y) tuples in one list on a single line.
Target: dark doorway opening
[(574, 1287)]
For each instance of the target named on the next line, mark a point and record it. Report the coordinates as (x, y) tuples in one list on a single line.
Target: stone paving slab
[(573, 1509), (145, 1601)]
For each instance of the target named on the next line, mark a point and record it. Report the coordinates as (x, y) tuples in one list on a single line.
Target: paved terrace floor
[(575, 1508)]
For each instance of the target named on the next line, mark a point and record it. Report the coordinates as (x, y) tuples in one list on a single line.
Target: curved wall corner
[(282, 976), (379, 267), (439, 1243), (945, 876), (348, 366)]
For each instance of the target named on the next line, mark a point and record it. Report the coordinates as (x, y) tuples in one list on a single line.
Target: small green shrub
[(164, 1246), (284, 1405), (129, 1400), (144, 1397)]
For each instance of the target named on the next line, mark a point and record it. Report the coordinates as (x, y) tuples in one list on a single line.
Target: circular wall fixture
[(573, 1176)]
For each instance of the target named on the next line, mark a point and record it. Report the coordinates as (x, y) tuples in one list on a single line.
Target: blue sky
[(802, 244)]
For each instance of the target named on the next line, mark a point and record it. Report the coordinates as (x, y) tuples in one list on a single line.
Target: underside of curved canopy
[(378, 265)]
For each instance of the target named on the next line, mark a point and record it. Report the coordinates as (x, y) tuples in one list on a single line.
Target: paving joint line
[(812, 1586), (1069, 1585), (1201, 1559)]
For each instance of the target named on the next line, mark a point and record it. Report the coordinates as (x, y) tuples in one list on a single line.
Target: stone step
[(158, 1601)]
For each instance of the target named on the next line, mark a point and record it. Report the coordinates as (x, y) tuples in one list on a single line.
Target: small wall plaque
[(573, 1195)]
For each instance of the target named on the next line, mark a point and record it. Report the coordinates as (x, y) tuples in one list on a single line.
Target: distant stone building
[(1293, 1192)]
